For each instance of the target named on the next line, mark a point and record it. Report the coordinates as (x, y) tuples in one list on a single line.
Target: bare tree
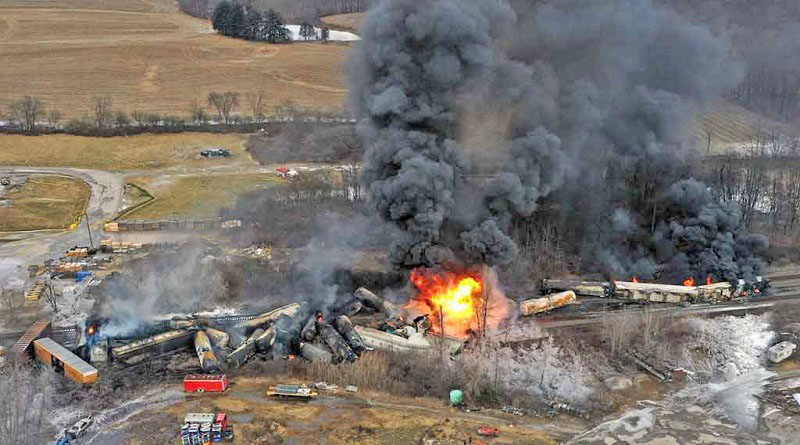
[(103, 112), (256, 101), (54, 117), (50, 296), (224, 103), (25, 111), (11, 301), (25, 401), (121, 119), (139, 118), (286, 110), (198, 114)]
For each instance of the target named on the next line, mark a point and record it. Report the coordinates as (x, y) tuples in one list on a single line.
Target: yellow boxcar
[(63, 361)]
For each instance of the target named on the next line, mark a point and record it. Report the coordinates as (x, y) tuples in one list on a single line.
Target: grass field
[(147, 56), (147, 151), (44, 202), (731, 126), (347, 22), (195, 196)]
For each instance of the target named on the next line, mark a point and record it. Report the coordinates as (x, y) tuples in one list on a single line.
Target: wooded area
[(295, 11)]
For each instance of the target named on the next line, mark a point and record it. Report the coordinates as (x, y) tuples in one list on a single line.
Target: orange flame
[(635, 279), (91, 330), (689, 282), (453, 297), (709, 280)]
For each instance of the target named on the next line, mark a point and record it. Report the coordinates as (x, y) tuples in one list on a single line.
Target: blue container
[(82, 275)]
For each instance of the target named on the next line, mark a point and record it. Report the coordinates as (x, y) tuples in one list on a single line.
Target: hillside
[(147, 56)]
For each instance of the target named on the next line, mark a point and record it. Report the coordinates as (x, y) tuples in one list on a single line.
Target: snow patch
[(713, 344), (333, 36)]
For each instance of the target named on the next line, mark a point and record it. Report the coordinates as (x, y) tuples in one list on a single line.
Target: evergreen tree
[(274, 29), (307, 31), (253, 25), (219, 21), (236, 23)]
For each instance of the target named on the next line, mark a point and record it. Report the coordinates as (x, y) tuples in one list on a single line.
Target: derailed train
[(658, 293)]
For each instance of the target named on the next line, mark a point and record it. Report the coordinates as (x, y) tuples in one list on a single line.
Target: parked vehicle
[(204, 428), (79, 428), (216, 153), (287, 173), (205, 383)]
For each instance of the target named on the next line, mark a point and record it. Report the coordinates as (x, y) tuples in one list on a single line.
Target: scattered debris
[(781, 351), (351, 388), (324, 386), (556, 407), (488, 431), (640, 361), (296, 391)]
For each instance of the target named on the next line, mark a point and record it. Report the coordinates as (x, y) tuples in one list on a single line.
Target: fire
[(91, 330), (635, 279), (455, 298), (709, 280), (689, 282)]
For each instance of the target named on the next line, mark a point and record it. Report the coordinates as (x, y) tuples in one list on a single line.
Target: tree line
[(235, 20), (293, 10), (221, 110)]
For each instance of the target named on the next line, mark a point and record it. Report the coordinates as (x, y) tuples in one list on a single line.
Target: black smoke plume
[(479, 112)]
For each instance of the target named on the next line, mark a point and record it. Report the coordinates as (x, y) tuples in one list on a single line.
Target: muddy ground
[(335, 418)]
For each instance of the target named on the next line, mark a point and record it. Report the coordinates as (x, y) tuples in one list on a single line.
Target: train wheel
[(201, 390)]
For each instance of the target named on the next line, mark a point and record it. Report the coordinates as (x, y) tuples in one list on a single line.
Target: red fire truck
[(205, 382)]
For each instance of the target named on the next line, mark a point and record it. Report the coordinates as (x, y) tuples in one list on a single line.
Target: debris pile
[(287, 332)]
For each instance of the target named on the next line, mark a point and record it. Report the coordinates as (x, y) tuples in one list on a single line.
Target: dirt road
[(23, 248)]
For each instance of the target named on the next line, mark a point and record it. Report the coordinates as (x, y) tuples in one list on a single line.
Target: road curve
[(36, 246)]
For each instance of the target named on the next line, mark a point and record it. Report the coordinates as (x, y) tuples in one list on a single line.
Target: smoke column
[(583, 106)]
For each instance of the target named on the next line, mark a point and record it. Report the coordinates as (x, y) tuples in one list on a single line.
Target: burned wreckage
[(287, 332)]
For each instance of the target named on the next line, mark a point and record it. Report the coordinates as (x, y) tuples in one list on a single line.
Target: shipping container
[(63, 361)]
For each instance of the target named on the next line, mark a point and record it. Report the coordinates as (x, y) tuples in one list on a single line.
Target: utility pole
[(89, 229)]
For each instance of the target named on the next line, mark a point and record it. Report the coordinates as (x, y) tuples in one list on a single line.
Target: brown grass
[(44, 202), (347, 22), (195, 196), (67, 52), (731, 126), (148, 151)]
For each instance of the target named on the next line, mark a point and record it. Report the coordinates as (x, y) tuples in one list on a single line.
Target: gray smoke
[(581, 106)]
